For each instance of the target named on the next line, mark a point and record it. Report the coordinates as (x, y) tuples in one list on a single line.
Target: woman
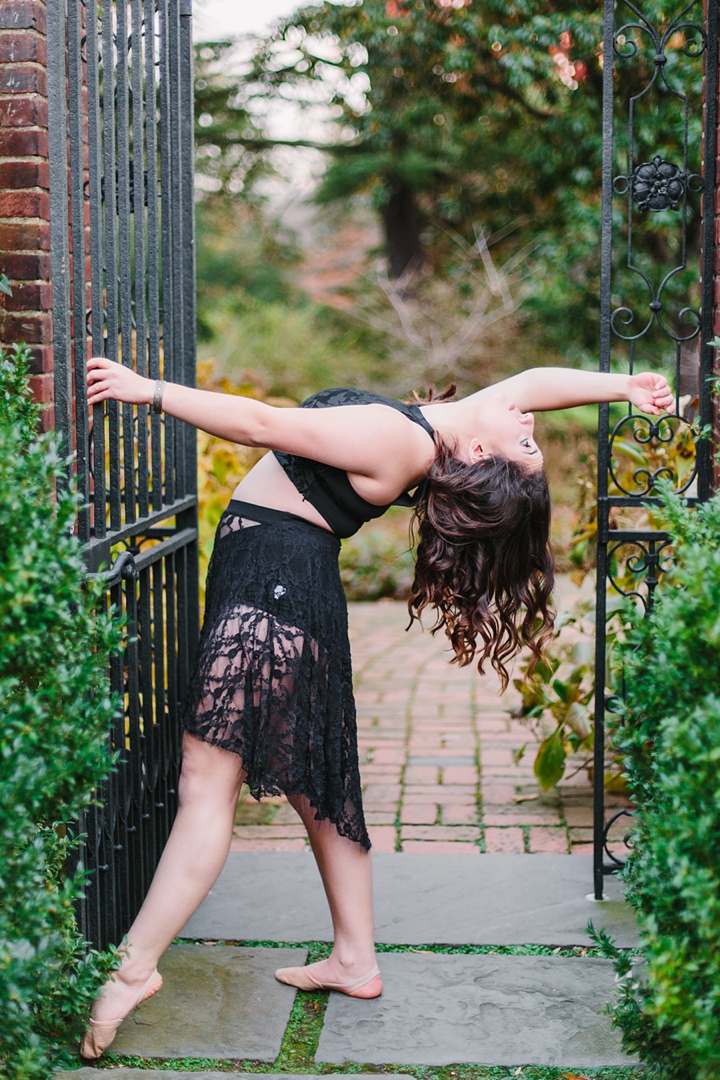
[(270, 702)]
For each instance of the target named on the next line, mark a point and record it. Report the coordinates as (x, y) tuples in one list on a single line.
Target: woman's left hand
[(651, 393), (106, 379)]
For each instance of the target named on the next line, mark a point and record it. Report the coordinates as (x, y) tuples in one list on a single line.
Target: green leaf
[(578, 720), (5, 286), (550, 760)]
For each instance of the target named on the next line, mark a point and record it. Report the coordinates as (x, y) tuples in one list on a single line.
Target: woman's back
[(321, 493)]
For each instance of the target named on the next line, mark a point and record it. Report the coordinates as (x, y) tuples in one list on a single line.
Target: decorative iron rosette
[(658, 185)]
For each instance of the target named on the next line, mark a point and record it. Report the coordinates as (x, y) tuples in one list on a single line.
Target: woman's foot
[(123, 993), (330, 975)]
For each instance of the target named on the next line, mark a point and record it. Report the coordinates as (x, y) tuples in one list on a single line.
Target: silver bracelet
[(158, 396)]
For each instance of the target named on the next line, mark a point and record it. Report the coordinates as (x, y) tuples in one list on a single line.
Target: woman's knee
[(209, 772)]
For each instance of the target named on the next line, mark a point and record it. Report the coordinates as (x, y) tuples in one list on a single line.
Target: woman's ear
[(476, 452)]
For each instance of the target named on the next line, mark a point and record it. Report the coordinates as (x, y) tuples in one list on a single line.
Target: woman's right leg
[(210, 784), (346, 871)]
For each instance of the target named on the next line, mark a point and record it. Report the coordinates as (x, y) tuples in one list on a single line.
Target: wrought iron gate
[(122, 237), (660, 87)]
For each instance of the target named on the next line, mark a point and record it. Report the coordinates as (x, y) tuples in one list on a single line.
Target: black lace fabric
[(273, 678)]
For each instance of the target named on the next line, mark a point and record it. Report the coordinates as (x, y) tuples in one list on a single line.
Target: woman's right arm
[(238, 419), (370, 440)]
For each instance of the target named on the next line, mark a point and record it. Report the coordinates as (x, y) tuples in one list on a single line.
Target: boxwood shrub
[(55, 714), (669, 1009)]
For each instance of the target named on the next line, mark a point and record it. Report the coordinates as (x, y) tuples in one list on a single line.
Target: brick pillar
[(24, 190)]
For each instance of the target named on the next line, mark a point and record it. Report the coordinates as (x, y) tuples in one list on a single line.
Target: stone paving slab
[(221, 1002), (419, 899), (484, 1010)]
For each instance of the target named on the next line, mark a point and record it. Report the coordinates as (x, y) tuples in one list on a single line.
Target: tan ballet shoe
[(101, 1033), (367, 986)]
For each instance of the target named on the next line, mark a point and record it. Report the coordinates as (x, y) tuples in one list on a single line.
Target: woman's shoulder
[(344, 395)]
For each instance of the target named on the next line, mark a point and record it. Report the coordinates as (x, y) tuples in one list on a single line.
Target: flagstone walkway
[(437, 757)]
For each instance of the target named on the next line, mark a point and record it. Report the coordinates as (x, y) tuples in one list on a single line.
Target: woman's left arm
[(545, 389)]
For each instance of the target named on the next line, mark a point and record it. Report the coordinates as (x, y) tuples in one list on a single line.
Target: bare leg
[(194, 855), (346, 871)]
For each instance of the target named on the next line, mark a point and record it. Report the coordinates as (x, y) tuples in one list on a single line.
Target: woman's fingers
[(107, 379)]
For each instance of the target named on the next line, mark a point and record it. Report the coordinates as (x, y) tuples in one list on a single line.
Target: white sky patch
[(216, 20), (299, 169)]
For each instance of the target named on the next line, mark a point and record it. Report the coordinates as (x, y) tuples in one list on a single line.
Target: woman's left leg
[(198, 845), (346, 871)]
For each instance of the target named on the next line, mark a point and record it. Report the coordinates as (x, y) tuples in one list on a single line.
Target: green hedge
[(669, 1011), (55, 712)]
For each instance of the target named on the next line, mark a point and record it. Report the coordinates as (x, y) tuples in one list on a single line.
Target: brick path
[(436, 757)]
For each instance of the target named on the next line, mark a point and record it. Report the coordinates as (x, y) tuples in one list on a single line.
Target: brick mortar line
[(478, 765), (358, 674), (406, 753), (24, 220)]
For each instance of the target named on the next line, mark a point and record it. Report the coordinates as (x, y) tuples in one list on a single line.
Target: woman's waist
[(283, 526), (267, 485)]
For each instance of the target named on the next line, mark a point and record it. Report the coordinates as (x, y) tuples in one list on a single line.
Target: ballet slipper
[(367, 986), (101, 1033)]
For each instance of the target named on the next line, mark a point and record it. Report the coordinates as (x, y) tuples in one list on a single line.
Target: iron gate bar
[(97, 315), (77, 216), (153, 265), (59, 255), (649, 543), (122, 235)]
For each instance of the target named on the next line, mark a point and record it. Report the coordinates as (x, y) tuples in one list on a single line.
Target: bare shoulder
[(373, 441)]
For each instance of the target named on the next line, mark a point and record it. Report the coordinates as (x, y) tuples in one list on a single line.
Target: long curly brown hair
[(484, 560)]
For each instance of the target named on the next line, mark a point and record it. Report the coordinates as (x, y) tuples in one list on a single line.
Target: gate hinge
[(186, 8)]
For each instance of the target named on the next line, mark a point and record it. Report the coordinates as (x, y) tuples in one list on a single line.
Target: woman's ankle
[(352, 960), (135, 970)]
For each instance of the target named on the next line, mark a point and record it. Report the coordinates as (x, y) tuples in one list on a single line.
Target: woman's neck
[(453, 421)]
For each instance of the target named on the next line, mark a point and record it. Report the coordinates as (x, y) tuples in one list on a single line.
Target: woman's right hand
[(106, 379)]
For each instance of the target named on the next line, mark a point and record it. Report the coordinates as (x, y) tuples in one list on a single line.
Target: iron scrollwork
[(642, 562), (658, 185), (646, 449), (627, 838)]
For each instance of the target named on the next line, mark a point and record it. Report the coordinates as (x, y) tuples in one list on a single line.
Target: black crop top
[(327, 488)]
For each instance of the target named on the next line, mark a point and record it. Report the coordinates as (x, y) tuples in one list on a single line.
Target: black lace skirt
[(273, 678)]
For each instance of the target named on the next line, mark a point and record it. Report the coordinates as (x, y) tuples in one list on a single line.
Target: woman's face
[(504, 430)]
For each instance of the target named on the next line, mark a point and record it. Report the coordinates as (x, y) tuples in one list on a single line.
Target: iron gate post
[(650, 183)]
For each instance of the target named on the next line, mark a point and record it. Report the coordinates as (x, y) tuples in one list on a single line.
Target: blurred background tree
[(463, 141)]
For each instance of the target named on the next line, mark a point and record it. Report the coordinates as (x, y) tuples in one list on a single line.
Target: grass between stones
[(318, 950), (302, 1033), (419, 1072)]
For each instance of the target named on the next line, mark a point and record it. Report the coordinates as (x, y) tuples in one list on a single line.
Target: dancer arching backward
[(270, 702)]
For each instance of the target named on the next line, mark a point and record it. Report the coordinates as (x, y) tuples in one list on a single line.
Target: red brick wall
[(24, 189)]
